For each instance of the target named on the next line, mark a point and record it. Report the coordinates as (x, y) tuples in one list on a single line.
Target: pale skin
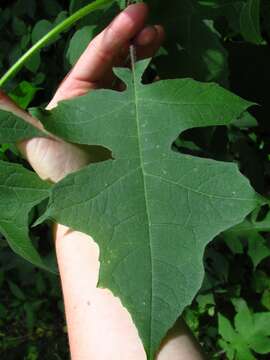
[(99, 327)]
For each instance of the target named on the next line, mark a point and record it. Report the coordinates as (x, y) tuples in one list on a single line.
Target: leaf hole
[(97, 153), (209, 142)]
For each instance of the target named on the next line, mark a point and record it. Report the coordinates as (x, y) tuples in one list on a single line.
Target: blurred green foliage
[(32, 322), (210, 40)]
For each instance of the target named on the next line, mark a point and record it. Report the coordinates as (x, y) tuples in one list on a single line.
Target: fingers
[(146, 36), (102, 51), (99, 57), (147, 42), (147, 48), (110, 48)]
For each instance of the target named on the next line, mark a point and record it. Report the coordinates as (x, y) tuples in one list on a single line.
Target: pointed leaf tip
[(124, 73), (140, 68)]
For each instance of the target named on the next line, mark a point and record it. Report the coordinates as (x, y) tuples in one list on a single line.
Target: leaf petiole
[(71, 20)]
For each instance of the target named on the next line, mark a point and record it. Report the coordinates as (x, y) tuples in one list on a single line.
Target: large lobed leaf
[(152, 211)]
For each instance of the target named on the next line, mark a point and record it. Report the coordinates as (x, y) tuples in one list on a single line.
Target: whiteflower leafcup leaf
[(151, 210)]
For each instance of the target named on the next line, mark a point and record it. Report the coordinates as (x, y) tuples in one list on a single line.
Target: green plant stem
[(67, 23)]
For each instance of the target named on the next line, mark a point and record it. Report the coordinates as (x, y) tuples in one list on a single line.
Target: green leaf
[(19, 27), (251, 332), (260, 281), (261, 323), (228, 349), (230, 10), (13, 128), (250, 22), (79, 42), (261, 344), (205, 302), (23, 94), (33, 63), (89, 27), (258, 248), (250, 230), (25, 40), (21, 190), (265, 300), (16, 291), (243, 320), (60, 17), (245, 121), (41, 28), (151, 210), (244, 354), (225, 328)]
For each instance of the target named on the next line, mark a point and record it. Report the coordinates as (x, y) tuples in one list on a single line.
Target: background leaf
[(21, 190), (250, 231), (193, 46), (250, 22), (251, 333)]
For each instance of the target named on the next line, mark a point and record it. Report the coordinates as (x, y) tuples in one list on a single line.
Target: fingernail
[(146, 36)]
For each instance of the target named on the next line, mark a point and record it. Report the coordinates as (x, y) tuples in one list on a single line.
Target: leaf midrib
[(136, 100)]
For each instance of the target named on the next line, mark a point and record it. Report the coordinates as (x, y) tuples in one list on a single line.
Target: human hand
[(53, 159)]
